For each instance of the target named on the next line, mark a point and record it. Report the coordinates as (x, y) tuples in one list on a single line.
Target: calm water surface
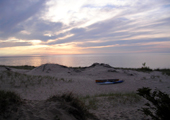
[(116, 60)]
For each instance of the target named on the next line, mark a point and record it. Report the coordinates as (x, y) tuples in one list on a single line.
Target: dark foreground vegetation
[(58, 107), (158, 107), (78, 109), (9, 102)]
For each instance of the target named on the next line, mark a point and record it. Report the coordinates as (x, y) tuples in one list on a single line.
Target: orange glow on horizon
[(41, 49)]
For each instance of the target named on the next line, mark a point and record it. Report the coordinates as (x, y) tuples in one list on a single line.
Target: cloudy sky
[(47, 27)]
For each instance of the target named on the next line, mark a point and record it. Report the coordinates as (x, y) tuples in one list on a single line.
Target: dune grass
[(9, 101), (92, 102), (26, 67), (14, 79), (73, 105), (144, 68)]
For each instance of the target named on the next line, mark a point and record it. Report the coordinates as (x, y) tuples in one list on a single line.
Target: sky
[(54, 27)]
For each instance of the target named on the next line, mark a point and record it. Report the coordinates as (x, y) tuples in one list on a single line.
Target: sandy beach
[(38, 84)]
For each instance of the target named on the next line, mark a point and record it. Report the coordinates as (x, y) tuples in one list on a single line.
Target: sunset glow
[(84, 27)]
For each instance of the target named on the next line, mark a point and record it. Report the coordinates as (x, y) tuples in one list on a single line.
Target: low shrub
[(158, 107), (145, 68), (7, 100)]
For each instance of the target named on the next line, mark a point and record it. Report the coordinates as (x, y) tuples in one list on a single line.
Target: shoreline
[(154, 61)]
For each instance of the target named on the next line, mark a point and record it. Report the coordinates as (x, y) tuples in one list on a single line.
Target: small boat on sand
[(108, 81)]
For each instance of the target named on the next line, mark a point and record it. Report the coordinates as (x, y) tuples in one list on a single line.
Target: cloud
[(117, 30), (103, 24), (14, 44), (140, 42), (40, 29), (13, 13)]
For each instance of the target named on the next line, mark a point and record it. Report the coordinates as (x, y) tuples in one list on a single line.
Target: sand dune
[(58, 79)]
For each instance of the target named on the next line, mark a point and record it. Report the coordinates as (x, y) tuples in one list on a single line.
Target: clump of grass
[(8, 99), (77, 107)]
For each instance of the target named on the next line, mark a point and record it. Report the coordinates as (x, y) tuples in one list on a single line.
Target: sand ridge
[(50, 79)]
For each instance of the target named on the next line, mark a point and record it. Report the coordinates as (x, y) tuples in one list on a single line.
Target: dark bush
[(158, 107), (7, 100)]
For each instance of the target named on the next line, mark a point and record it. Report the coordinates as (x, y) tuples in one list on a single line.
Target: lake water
[(115, 60)]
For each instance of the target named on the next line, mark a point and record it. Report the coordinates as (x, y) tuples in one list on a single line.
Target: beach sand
[(37, 85)]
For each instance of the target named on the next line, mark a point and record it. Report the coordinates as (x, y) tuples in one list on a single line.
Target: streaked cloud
[(84, 26)]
